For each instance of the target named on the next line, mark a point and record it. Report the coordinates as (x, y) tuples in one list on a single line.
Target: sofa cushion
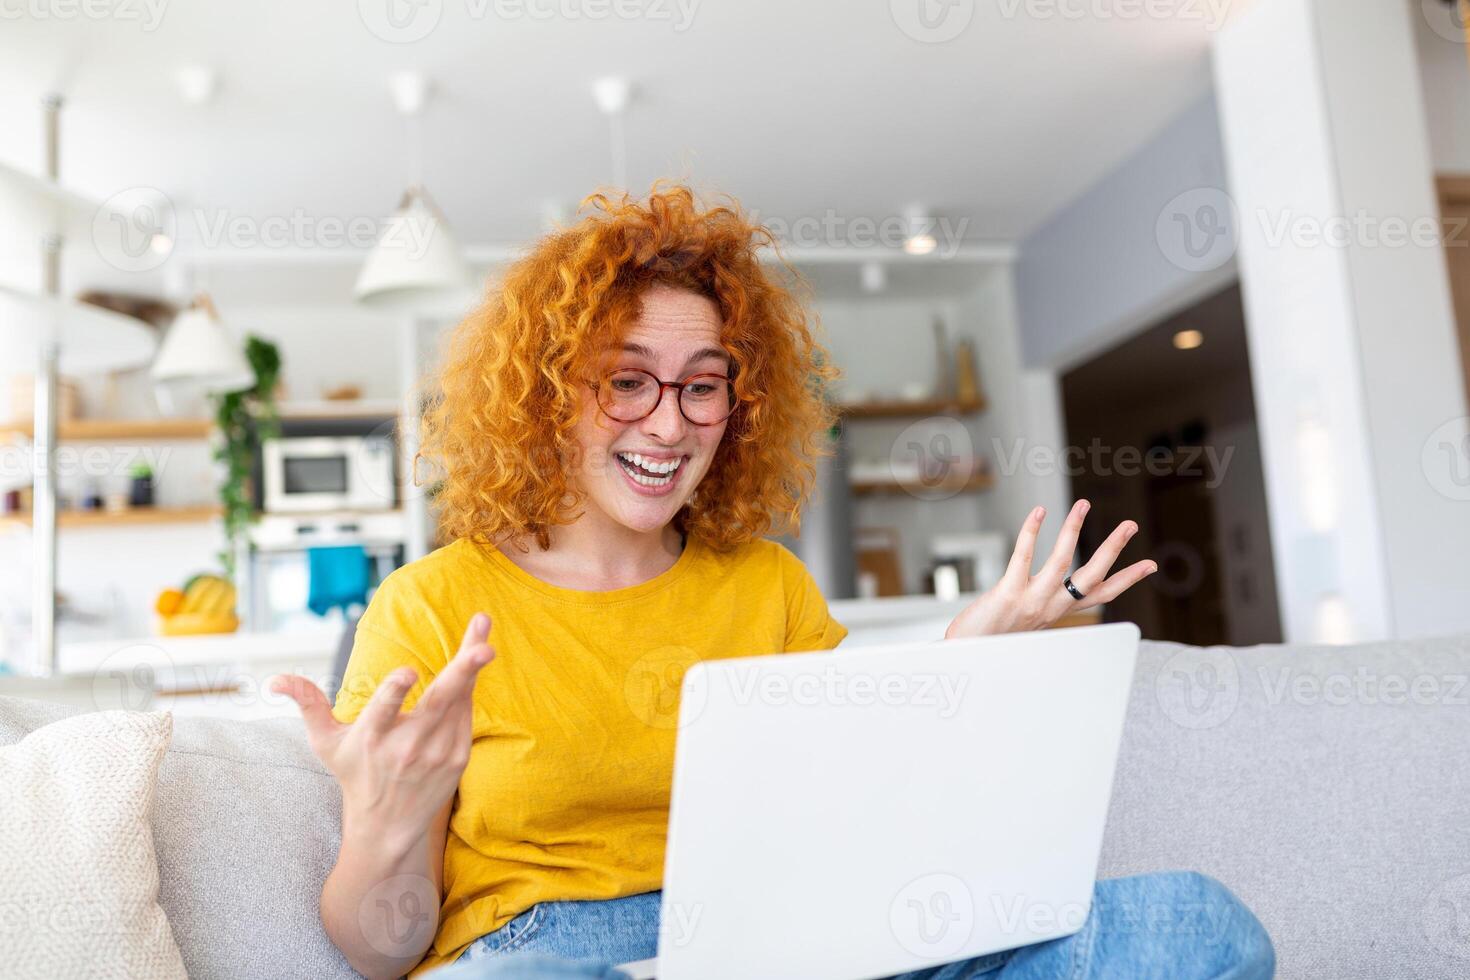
[(76, 846), (246, 828), (1324, 785)]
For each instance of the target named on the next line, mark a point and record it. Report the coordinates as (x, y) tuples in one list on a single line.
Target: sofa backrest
[(246, 827), (1324, 785)]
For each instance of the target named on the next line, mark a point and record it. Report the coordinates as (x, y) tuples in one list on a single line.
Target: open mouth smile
[(650, 475)]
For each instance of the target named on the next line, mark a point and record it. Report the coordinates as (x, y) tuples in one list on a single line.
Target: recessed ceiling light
[(921, 244), (197, 84), (918, 230), (410, 90), (1188, 339), (612, 94)]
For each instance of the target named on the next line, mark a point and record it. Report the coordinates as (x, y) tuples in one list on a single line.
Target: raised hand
[(1022, 601), (398, 769)]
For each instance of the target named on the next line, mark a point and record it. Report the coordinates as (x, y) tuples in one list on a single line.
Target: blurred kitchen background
[(248, 227)]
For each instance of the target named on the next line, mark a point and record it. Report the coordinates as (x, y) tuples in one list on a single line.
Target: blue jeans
[(1174, 926)]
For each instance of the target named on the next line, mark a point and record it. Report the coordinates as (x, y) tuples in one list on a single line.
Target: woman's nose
[(667, 422)]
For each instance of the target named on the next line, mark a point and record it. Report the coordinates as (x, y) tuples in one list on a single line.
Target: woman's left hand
[(1022, 601)]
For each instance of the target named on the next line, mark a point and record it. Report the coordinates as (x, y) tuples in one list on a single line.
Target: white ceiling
[(797, 107)]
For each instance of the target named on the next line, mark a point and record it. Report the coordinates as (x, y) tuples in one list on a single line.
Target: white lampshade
[(91, 338), (416, 266), (200, 349)]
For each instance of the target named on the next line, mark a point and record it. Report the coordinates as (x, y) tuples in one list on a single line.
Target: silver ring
[(1076, 594)]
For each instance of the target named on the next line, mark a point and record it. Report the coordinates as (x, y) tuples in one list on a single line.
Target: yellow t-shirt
[(566, 793)]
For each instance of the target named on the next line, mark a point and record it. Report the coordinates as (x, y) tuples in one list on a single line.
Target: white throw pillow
[(78, 876)]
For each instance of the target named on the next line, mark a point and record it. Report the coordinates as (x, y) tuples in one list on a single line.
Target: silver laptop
[(845, 815)]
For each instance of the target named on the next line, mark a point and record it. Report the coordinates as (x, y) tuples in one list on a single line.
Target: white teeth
[(652, 465), (638, 467), (650, 481)]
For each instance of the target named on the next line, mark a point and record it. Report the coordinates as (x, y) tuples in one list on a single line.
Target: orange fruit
[(169, 601)]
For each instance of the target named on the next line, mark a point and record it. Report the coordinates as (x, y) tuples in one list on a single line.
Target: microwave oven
[(303, 475)]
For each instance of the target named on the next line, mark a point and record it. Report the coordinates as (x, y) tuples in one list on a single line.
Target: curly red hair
[(501, 427)]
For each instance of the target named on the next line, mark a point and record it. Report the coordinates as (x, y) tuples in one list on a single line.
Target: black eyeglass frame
[(663, 386)]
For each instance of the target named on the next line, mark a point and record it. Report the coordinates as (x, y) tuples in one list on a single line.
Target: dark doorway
[(1165, 434)]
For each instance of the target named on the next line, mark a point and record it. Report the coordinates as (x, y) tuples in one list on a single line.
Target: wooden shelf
[(911, 409), (101, 430), (122, 518), (865, 488)]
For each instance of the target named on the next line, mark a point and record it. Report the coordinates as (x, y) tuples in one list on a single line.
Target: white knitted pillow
[(78, 877)]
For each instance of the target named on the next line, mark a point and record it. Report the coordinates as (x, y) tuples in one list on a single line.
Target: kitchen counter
[(220, 675), (124, 654), (225, 675)]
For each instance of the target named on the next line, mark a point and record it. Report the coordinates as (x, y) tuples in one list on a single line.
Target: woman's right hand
[(398, 770)]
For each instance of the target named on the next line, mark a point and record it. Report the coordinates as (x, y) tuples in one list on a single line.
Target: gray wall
[(1094, 273)]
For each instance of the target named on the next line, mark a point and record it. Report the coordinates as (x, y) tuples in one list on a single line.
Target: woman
[(621, 424)]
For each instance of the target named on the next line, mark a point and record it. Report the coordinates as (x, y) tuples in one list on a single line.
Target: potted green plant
[(244, 419), (140, 490)]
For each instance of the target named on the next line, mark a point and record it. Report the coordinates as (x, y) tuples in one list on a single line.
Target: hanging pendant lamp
[(200, 349), (416, 267)]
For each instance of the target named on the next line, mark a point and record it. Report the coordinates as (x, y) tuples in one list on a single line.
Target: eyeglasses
[(631, 395)]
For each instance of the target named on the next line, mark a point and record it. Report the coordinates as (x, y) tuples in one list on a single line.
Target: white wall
[(1024, 413), (1353, 351), (1096, 272), (322, 348)]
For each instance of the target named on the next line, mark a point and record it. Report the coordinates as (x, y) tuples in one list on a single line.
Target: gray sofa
[(1326, 786)]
